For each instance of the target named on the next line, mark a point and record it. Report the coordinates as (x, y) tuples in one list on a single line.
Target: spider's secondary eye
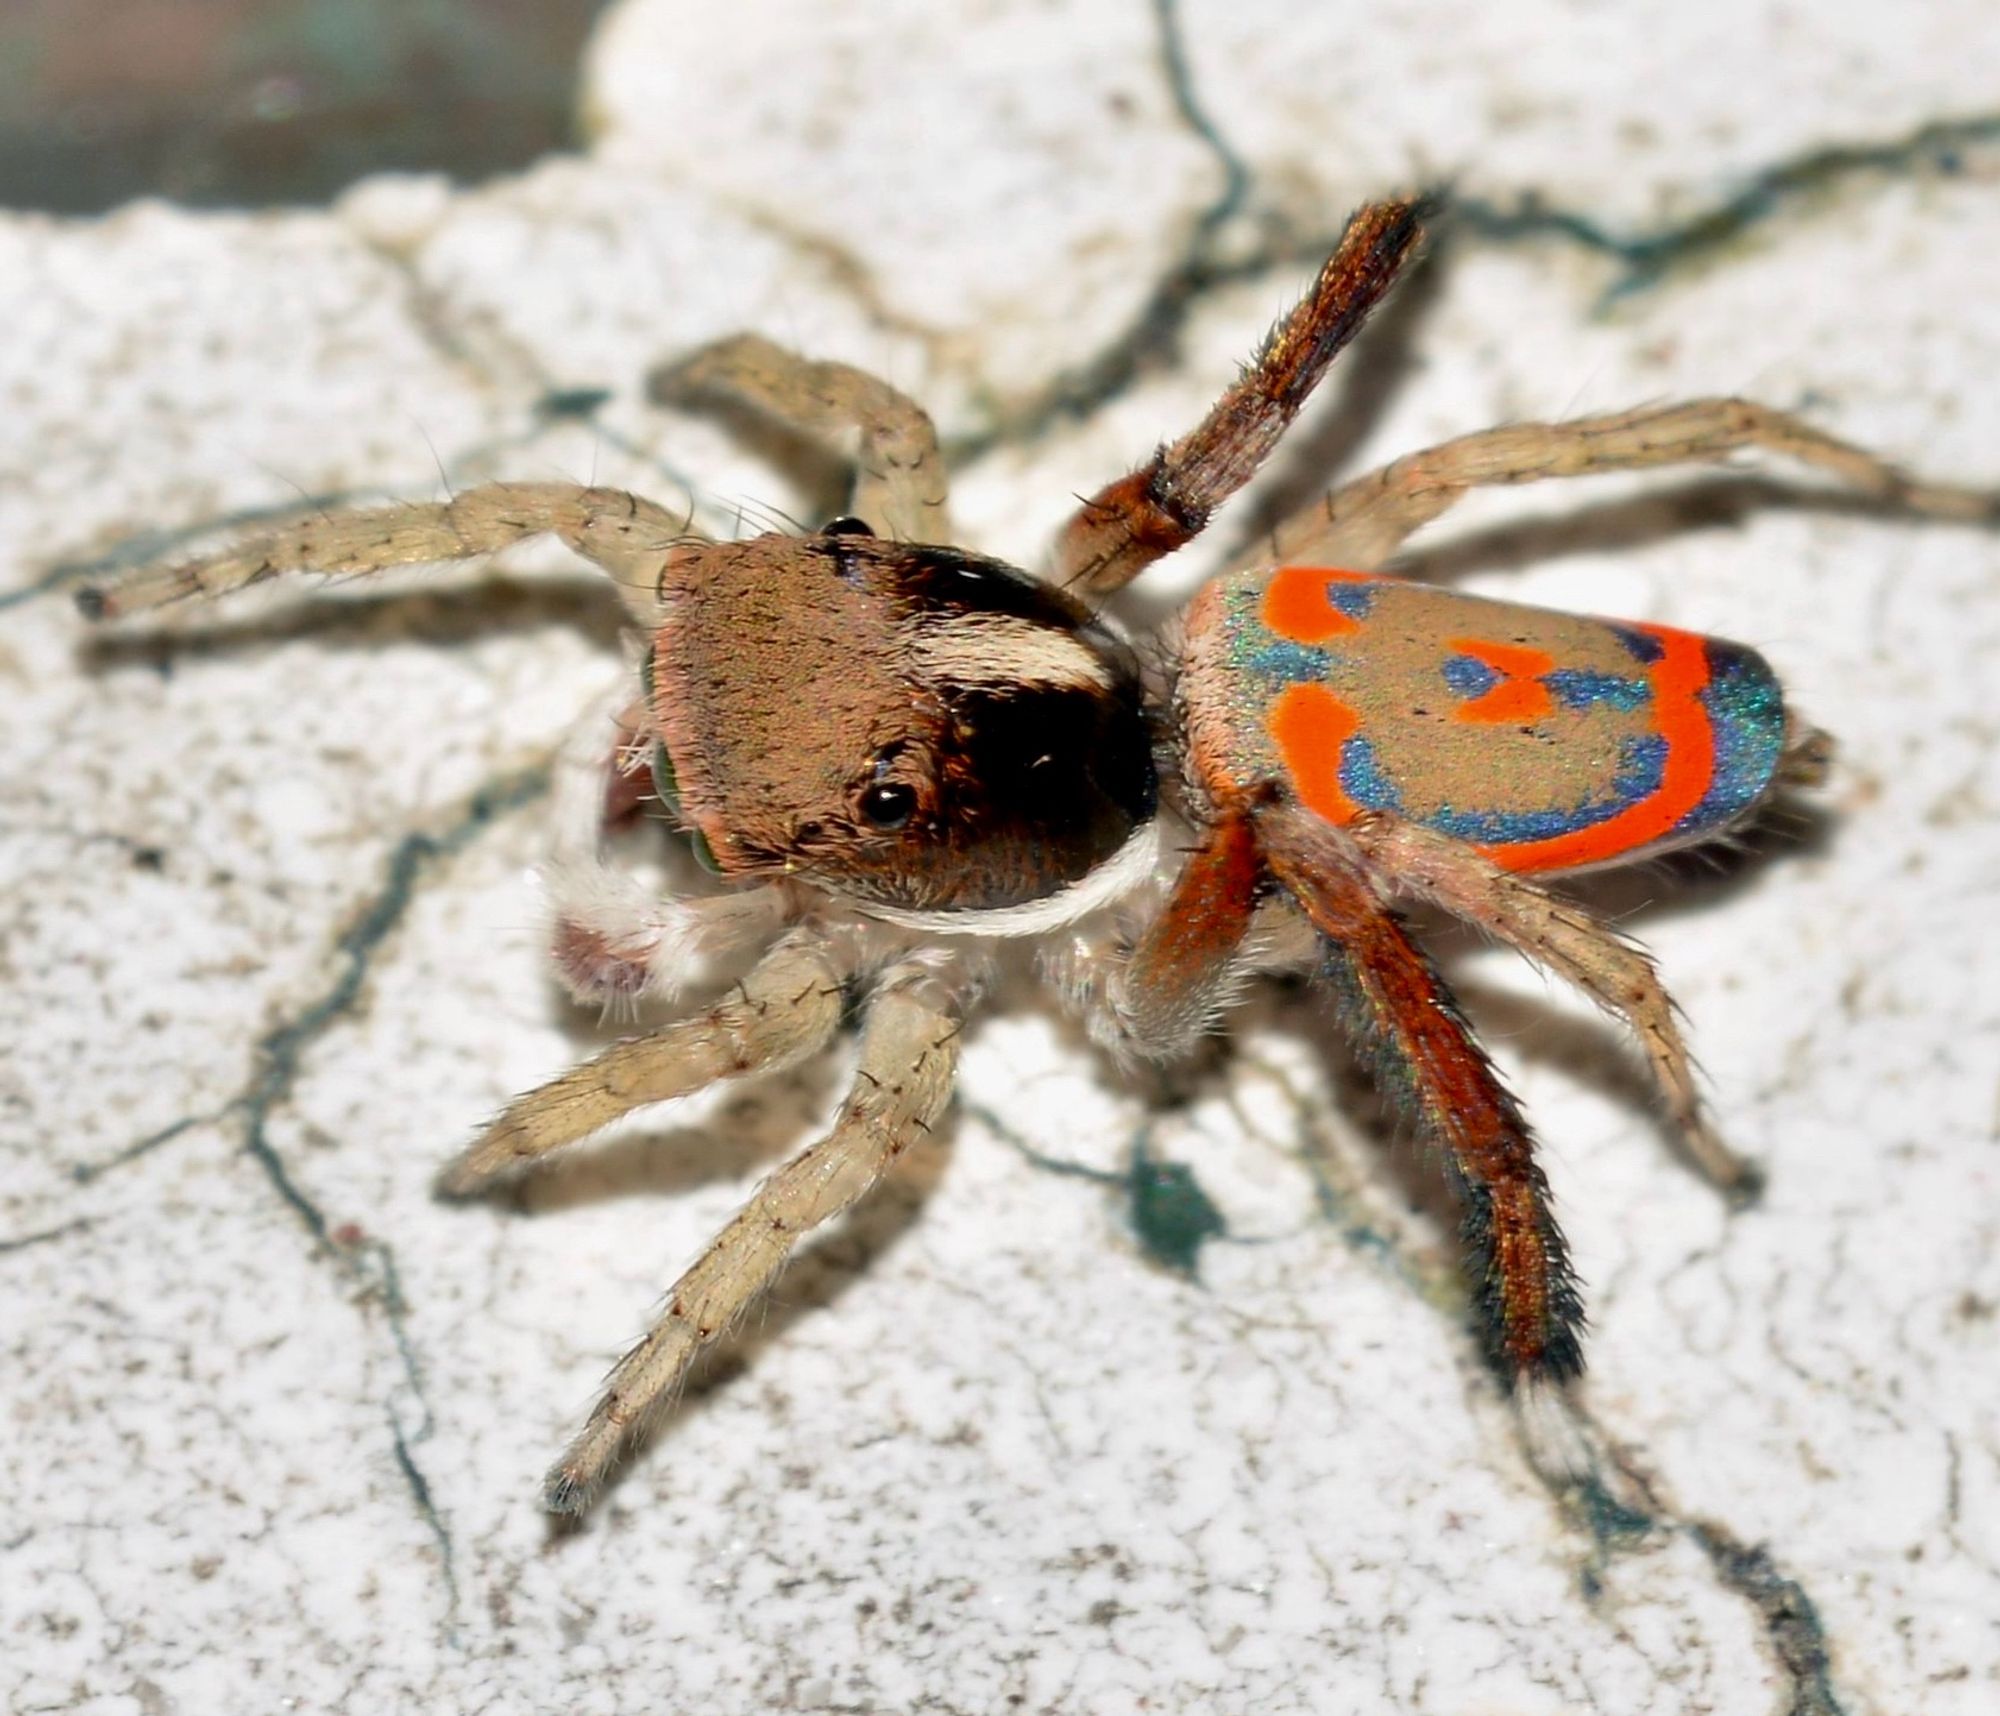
[(846, 525), (889, 804)]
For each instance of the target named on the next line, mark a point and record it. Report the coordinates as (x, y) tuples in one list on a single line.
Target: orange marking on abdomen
[(1679, 718), (1520, 695), (1309, 725), (1296, 606)]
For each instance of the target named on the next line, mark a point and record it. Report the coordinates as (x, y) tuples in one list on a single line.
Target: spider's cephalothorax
[(910, 725), (893, 751)]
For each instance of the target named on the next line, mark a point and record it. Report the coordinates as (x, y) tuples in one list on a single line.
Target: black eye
[(846, 526), (889, 804)]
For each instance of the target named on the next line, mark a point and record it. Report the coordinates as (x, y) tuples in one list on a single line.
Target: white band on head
[(1127, 868)]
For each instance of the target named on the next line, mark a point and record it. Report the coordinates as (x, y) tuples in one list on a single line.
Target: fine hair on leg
[(624, 534), (1567, 939), (900, 488), (1410, 1034), (1361, 523), (1167, 502), (902, 1082)]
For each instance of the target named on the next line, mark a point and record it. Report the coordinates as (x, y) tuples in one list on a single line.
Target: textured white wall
[(275, 1418)]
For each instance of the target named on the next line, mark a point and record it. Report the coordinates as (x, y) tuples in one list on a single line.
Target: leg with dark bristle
[(1416, 1044)]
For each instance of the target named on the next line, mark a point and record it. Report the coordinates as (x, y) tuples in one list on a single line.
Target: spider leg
[(1360, 524), (1563, 937), (628, 536), (909, 1051), (1164, 504), (1408, 1028), (1155, 996), (785, 1008), (899, 476), (614, 938)]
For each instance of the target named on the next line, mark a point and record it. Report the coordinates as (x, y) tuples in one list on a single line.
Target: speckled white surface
[(982, 1455)]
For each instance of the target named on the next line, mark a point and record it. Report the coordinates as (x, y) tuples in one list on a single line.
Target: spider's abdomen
[(1547, 740)]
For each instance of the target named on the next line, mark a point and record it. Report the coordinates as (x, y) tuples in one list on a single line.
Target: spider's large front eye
[(889, 804)]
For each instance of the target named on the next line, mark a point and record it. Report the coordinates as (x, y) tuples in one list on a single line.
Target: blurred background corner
[(259, 102)]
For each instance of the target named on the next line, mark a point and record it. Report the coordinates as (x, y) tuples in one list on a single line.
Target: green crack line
[(1617, 1518), (1646, 255), (1155, 329), (1170, 1214), (280, 1055)]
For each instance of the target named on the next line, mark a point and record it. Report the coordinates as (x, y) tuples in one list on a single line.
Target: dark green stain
[(1171, 1216)]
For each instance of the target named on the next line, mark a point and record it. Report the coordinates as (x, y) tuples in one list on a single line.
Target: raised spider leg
[(785, 1008), (899, 476), (614, 938), (1164, 504), (1360, 524), (625, 534), (909, 1051), (1408, 1028), (1560, 936)]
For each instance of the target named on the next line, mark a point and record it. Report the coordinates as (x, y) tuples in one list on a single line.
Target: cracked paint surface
[(275, 1419)]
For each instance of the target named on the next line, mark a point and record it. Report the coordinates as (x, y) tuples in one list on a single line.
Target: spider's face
[(911, 726)]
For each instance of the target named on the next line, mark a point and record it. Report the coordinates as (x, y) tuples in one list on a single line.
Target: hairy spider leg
[(902, 1082), (1409, 1031), (1564, 938), (1154, 997), (1361, 523), (785, 1008), (899, 476), (1166, 502), (624, 534)]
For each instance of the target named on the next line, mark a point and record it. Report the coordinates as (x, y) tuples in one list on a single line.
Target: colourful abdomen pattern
[(1549, 741)]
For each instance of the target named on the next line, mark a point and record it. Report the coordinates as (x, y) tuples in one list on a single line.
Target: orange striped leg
[(1409, 1031), (1156, 997), (1166, 502), (1562, 937)]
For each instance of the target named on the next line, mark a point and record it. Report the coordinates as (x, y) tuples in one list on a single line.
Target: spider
[(893, 753)]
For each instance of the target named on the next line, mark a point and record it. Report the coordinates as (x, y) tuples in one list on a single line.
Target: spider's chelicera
[(892, 752)]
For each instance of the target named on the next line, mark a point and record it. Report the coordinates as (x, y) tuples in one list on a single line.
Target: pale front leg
[(628, 536), (785, 1008), (1561, 936), (909, 1051), (1362, 523), (899, 477)]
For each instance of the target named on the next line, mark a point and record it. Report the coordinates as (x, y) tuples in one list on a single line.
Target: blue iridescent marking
[(1356, 601), (1362, 777), (1283, 662), (1746, 712), (1641, 646), (1579, 688), (1468, 676), (1642, 764)]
